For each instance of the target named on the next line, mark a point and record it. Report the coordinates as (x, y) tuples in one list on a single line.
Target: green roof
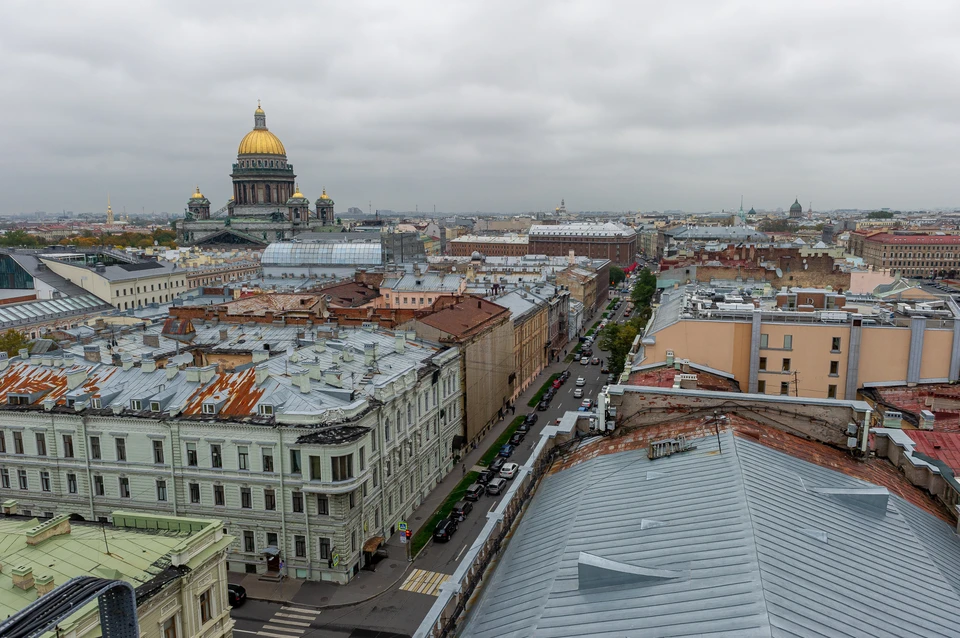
[(140, 547)]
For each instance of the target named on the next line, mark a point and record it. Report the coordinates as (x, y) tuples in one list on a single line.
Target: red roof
[(943, 446), (908, 240)]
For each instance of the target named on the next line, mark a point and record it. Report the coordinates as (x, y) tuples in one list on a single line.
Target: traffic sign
[(402, 526), (403, 538)]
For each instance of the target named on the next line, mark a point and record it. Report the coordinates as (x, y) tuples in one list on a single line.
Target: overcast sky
[(483, 105)]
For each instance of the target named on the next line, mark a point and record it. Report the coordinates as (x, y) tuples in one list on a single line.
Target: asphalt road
[(397, 613)]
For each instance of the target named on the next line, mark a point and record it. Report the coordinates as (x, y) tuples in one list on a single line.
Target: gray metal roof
[(751, 542)]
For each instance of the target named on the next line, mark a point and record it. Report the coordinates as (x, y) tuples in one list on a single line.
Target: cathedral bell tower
[(298, 208), (325, 209), (199, 206)]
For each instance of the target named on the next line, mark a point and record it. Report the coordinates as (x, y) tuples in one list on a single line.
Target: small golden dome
[(259, 110), (261, 142), (197, 195), (324, 196), (298, 193)]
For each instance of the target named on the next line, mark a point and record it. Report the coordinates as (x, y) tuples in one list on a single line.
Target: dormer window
[(15, 399), (265, 409), (155, 406), (135, 404), (96, 403), (209, 408)]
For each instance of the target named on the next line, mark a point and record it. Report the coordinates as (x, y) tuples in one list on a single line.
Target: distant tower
[(796, 209), (109, 211), (325, 209), (199, 206), (562, 208), (298, 208), (742, 216)]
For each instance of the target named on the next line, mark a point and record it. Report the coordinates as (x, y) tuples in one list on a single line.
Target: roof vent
[(648, 523), (817, 534), (594, 571), (871, 499)]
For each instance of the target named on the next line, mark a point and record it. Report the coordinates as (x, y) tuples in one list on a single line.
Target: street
[(398, 611)]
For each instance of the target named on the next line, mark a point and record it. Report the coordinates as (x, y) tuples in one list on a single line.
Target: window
[(831, 392), (5, 478), (194, 492), (71, 483), (94, 446), (246, 501), (18, 442), (297, 501), (295, 462), (265, 409), (67, 446), (216, 457), (45, 481), (269, 500), (386, 430), (762, 387), (787, 342), (209, 408), (315, 465), (300, 546), (218, 497), (267, 460), (763, 363), (161, 490), (835, 345), (352, 498), (353, 541), (242, 458), (834, 368), (205, 614), (249, 544), (272, 540), (376, 476), (124, 487), (323, 505), (764, 338), (784, 388), (325, 548), (22, 479), (786, 365), (3, 441), (169, 628), (342, 467), (192, 454), (121, 449), (154, 406), (135, 404), (98, 485)]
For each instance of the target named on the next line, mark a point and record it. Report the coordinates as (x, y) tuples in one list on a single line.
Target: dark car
[(565, 375), (484, 477), (236, 594), (543, 405), (516, 438), (506, 451), (461, 510), (605, 369), (444, 530), (549, 394), (596, 361), (475, 491), (497, 464), (531, 418), (523, 427)]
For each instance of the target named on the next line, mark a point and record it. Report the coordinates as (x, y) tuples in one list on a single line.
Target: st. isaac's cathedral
[(266, 205)]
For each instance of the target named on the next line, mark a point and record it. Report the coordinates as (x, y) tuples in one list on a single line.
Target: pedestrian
[(464, 468)]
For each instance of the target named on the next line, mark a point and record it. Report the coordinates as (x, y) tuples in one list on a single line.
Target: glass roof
[(323, 254), (30, 311)]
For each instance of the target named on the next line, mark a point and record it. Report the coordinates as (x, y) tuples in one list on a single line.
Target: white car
[(581, 382), (585, 360), (509, 470), (604, 389), (578, 393)]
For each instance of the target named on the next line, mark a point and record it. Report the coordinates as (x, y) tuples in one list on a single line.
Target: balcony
[(335, 487)]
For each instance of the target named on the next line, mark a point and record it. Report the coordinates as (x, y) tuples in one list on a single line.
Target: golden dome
[(261, 142), (259, 110), (197, 195), (324, 196), (298, 193)]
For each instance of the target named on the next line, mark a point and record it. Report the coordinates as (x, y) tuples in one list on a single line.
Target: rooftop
[(753, 541), (366, 252), (492, 239), (428, 281), (464, 316), (911, 240), (582, 229)]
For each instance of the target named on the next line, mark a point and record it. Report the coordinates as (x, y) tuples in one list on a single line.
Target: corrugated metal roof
[(750, 548)]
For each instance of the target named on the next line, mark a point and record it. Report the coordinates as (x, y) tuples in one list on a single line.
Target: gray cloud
[(494, 106)]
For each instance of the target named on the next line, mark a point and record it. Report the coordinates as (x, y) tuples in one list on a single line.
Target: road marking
[(244, 631), (294, 616), (292, 630), (301, 610), (460, 553), (291, 622), (270, 635), (422, 581)]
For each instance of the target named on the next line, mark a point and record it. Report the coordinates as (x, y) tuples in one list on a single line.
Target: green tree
[(644, 289), (19, 238), (880, 214), (616, 275), (617, 339), (776, 226), (11, 341)]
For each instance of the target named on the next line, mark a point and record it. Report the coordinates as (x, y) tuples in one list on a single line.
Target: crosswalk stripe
[(424, 582), (271, 635), (301, 610), (294, 616), (290, 622), (292, 630)]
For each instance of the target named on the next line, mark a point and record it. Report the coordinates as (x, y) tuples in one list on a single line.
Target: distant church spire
[(109, 211)]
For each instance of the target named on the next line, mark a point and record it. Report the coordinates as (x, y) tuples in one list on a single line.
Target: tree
[(19, 238), (616, 275), (776, 226), (11, 341), (880, 214), (644, 289)]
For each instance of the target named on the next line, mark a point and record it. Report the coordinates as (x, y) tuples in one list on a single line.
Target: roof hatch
[(594, 571)]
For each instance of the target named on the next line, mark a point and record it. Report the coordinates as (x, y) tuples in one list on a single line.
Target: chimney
[(45, 584), (207, 373), (75, 377), (68, 361), (11, 507), (4, 361), (479, 304), (262, 373), (147, 363), (193, 374), (57, 526), (333, 378), (24, 354), (302, 379), (126, 360), (259, 356), (224, 334), (22, 577), (369, 353), (348, 354), (151, 340), (399, 343), (91, 353), (172, 371), (46, 361), (335, 357), (320, 345)]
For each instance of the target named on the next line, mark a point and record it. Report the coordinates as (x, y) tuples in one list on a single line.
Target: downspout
[(86, 462), (174, 445), (283, 498)]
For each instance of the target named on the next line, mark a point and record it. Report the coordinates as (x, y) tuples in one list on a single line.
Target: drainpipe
[(174, 448), (283, 497), (86, 459)]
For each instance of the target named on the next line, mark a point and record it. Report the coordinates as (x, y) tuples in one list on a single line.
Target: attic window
[(265, 409), (135, 404), (14, 399), (96, 403), (154, 406), (209, 408)]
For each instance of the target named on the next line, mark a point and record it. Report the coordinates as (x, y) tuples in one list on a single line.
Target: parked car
[(604, 389), (584, 360), (509, 470), (461, 510), (578, 393), (484, 477), (444, 530), (565, 375), (611, 380), (605, 369), (236, 595), (580, 382), (531, 418), (586, 403), (549, 394), (516, 438), (506, 451), (596, 361), (557, 383), (475, 491), (497, 464), (524, 427), (495, 487), (543, 405)]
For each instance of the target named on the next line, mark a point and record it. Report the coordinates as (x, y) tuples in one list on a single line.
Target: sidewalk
[(391, 570)]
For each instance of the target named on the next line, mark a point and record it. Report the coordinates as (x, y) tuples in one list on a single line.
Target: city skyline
[(503, 108)]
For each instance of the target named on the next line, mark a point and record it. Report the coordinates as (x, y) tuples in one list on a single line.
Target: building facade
[(317, 454), (612, 241), (492, 246), (124, 286), (913, 255)]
